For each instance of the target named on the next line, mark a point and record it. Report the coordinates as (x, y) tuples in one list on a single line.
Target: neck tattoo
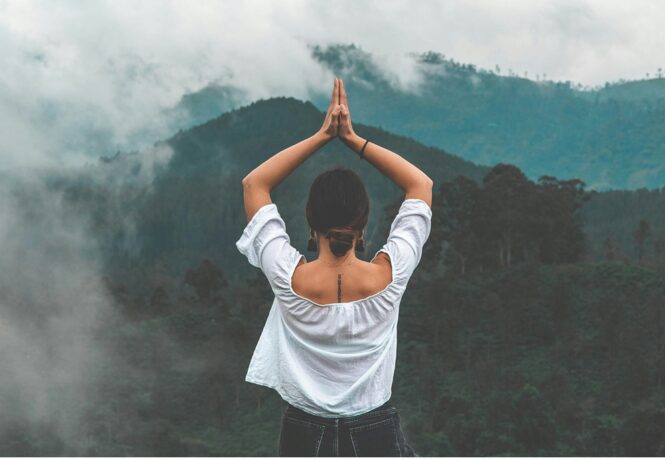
[(339, 287)]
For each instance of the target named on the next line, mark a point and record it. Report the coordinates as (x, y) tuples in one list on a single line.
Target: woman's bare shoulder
[(382, 260)]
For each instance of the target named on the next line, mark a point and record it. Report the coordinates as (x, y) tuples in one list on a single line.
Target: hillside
[(613, 136), (526, 349), (193, 208), (194, 200), (645, 91)]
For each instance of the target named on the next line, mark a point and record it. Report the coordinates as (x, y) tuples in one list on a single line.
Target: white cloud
[(54, 299), (80, 78), (52, 305)]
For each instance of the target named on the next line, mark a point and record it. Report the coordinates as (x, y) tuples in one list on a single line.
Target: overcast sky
[(111, 66)]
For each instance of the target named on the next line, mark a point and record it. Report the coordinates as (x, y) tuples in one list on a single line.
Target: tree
[(502, 209), (659, 250), (534, 421), (609, 249), (208, 280), (458, 200), (509, 219), (553, 219), (642, 232)]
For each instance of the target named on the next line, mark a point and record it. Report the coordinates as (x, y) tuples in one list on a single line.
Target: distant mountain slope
[(542, 127), (636, 91), (176, 213), (207, 103), (613, 137)]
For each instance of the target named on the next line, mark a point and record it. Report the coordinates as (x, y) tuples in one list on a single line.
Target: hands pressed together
[(338, 118)]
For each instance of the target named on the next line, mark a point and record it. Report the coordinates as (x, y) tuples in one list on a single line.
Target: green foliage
[(544, 355), (612, 219), (507, 220), (535, 429)]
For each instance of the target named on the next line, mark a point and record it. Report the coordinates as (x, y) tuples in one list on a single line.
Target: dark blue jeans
[(376, 433)]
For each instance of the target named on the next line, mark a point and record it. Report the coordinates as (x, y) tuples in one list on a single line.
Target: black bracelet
[(362, 150)]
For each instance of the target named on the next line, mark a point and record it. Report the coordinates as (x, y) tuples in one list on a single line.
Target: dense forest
[(534, 324)]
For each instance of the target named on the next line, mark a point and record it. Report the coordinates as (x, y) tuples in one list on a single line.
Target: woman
[(329, 344)]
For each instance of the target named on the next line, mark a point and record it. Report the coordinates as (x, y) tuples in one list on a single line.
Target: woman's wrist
[(354, 142), (322, 137)]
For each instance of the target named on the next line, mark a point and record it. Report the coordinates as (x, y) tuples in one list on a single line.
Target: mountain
[(612, 137), (542, 127), (188, 207), (200, 106), (633, 91), (192, 207)]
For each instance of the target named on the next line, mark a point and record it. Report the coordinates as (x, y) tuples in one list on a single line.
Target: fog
[(54, 303), (84, 79)]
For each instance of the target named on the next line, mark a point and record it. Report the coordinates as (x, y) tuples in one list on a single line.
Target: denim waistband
[(383, 411)]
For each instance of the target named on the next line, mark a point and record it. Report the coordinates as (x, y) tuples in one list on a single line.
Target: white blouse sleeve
[(266, 245), (408, 233)]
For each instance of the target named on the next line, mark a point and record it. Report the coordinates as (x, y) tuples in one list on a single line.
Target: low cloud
[(55, 305), (85, 79)]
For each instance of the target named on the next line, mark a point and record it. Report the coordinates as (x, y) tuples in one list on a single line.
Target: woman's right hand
[(345, 133)]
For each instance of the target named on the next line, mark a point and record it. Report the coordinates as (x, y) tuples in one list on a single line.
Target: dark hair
[(338, 207)]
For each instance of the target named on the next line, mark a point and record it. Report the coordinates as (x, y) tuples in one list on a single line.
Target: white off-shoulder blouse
[(337, 359)]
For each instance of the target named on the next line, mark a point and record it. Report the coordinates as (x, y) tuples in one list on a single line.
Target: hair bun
[(341, 240)]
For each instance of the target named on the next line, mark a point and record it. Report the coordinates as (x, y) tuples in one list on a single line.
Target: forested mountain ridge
[(612, 136), (645, 91), (513, 339), (196, 200), (543, 127)]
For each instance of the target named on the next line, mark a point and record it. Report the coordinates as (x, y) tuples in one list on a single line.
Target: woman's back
[(329, 344), (324, 285), (334, 358)]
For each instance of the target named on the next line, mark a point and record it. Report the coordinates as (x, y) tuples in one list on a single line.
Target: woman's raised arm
[(413, 181), (261, 180)]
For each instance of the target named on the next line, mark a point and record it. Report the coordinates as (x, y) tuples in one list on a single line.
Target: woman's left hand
[(331, 121)]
